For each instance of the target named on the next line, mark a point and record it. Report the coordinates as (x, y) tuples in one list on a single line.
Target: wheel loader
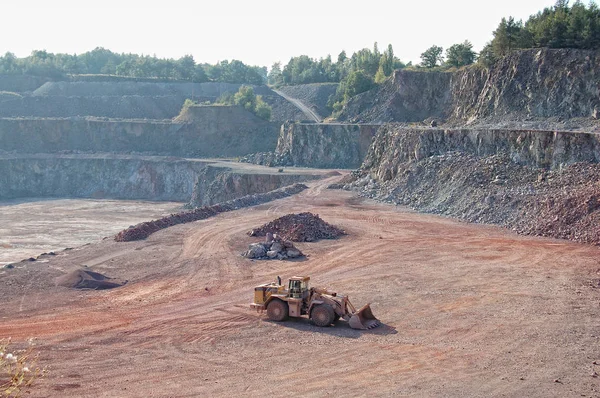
[(322, 306)]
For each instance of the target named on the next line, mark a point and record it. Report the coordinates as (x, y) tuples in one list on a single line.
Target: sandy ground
[(468, 311), (34, 226)]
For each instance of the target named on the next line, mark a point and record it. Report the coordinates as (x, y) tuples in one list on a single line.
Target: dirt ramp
[(85, 279)]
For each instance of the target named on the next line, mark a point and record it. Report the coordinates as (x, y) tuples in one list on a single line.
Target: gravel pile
[(303, 227), (145, 229), (273, 248)]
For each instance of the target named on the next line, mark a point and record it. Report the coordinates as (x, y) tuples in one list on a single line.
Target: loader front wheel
[(322, 315), (277, 310)]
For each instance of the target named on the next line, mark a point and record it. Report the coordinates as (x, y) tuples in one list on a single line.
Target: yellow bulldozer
[(322, 306)]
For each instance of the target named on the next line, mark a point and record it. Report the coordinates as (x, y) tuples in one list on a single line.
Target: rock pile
[(303, 227), (562, 203), (273, 248), (145, 229)]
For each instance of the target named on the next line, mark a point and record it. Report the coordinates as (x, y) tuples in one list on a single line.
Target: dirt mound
[(84, 279), (145, 229), (303, 227)]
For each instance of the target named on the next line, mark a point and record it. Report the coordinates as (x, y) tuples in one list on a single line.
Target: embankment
[(218, 184), (145, 229)]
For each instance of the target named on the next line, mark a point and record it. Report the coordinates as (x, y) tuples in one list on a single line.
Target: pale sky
[(257, 32)]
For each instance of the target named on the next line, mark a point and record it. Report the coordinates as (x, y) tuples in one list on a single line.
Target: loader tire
[(322, 315), (277, 310)]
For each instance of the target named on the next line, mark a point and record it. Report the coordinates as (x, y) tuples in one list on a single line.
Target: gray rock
[(272, 254), (293, 253), (256, 250), (276, 247)]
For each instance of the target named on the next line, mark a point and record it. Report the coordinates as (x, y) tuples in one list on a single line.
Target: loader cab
[(298, 286)]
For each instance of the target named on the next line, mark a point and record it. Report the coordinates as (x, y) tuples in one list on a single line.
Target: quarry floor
[(468, 311), (29, 227)]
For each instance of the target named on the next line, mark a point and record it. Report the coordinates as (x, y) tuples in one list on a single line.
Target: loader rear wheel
[(277, 310), (322, 315)]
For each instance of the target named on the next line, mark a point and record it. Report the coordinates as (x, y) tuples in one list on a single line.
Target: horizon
[(259, 34)]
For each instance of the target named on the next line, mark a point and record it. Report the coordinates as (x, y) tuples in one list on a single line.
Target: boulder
[(293, 253), (272, 253), (256, 250), (276, 247)]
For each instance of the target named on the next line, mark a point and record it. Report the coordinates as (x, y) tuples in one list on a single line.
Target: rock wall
[(213, 132), (218, 184), (97, 176), (394, 145), (562, 83), (125, 88), (127, 107), (125, 98), (325, 145), (21, 83)]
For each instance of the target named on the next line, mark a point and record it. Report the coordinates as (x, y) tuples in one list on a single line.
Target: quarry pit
[(468, 309)]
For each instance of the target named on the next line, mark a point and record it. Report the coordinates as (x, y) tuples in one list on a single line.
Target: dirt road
[(312, 115), (469, 311)]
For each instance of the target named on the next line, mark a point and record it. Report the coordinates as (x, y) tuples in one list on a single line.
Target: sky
[(257, 32)]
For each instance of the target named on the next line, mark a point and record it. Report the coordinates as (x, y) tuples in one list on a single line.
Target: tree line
[(559, 26), (106, 62)]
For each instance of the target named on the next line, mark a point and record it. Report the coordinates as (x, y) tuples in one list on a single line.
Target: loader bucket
[(364, 319)]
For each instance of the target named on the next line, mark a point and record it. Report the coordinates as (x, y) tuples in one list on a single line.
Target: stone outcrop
[(536, 83), (318, 145)]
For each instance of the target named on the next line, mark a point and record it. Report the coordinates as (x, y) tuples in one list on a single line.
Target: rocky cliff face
[(395, 145), (319, 146), (562, 83), (156, 178), (219, 184), (98, 176), (324, 145), (209, 132)]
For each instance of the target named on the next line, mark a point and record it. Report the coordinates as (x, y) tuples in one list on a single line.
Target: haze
[(258, 32)]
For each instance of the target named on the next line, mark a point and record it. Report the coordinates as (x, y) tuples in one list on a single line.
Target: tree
[(245, 97), (357, 82), (486, 56), (507, 36), (262, 110), (275, 77), (432, 57), (460, 54)]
